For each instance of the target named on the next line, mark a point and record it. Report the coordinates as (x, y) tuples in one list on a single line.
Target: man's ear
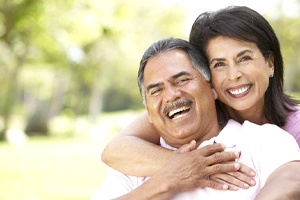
[(150, 119), (214, 93)]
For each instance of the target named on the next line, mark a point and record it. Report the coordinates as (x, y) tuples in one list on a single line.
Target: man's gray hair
[(197, 60)]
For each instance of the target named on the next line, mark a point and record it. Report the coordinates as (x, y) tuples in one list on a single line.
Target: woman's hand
[(243, 178), (210, 166)]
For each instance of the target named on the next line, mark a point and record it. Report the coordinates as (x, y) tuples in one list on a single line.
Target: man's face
[(180, 102)]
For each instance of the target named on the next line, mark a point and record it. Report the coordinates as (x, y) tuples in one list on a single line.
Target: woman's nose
[(233, 73)]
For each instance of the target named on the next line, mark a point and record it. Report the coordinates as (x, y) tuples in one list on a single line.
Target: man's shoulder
[(263, 126), (266, 132)]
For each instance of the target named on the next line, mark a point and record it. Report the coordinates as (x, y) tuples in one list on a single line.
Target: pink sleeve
[(293, 125)]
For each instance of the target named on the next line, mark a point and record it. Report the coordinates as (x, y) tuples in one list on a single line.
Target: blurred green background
[(68, 82)]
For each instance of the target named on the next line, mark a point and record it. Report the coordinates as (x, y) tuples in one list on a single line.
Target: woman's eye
[(219, 64), (245, 58)]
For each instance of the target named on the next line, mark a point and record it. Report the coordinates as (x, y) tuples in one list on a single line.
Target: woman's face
[(240, 73)]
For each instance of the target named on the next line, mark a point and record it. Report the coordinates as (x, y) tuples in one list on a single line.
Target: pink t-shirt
[(293, 125)]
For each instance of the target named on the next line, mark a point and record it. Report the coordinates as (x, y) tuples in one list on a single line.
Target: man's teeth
[(173, 112), (239, 91)]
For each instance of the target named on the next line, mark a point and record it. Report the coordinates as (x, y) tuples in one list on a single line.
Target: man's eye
[(155, 91), (182, 81)]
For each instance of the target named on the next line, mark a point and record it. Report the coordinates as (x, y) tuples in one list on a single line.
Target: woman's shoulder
[(293, 117), (292, 124), (294, 114)]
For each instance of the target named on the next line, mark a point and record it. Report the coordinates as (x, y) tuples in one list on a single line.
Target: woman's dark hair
[(243, 23)]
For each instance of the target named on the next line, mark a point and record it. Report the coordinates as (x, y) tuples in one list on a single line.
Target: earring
[(271, 75)]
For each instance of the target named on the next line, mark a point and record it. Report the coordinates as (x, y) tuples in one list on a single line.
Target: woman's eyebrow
[(238, 55), (216, 59), (243, 52)]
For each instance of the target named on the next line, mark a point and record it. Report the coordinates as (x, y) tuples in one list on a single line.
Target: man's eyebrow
[(183, 73), (149, 87)]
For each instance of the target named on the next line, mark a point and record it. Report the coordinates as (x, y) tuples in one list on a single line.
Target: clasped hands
[(210, 166)]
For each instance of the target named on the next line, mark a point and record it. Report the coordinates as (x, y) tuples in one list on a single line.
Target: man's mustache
[(176, 104)]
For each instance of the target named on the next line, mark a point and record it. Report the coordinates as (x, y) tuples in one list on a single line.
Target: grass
[(60, 168)]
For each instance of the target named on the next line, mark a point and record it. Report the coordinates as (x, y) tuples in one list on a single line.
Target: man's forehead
[(166, 65), (174, 59), (169, 68)]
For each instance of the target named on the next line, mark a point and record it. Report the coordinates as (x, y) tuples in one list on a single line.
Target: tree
[(287, 29), (18, 23), (67, 55)]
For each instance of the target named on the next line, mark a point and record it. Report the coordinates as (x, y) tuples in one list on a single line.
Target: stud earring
[(271, 75)]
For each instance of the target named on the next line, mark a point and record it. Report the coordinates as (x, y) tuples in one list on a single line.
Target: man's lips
[(178, 107), (180, 110)]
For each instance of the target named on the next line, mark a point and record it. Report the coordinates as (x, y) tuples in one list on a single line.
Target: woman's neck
[(256, 116)]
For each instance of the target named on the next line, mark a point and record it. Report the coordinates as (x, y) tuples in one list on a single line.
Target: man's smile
[(177, 109), (173, 114)]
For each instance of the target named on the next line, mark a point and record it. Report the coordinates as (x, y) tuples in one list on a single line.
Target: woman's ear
[(271, 64), (214, 93)]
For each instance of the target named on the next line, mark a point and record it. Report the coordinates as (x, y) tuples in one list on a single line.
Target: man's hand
[(189, 168)]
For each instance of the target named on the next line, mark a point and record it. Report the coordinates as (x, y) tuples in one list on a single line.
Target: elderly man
[(174, 83)]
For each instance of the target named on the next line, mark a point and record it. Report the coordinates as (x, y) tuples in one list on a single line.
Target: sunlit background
[(68, 82)]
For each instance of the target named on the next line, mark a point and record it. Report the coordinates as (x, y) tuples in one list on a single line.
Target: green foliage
[(82, 56), (288, 32), (67, 55), (129, 100)]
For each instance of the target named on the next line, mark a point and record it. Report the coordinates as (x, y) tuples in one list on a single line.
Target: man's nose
[(171, 93)]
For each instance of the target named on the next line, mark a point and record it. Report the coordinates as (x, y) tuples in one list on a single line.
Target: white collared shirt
[(263, 148)]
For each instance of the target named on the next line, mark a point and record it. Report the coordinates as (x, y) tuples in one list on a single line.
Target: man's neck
[(213, 132)]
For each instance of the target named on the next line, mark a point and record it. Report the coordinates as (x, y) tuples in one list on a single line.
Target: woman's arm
[(135, 150), (282, 184), (174, 177)]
